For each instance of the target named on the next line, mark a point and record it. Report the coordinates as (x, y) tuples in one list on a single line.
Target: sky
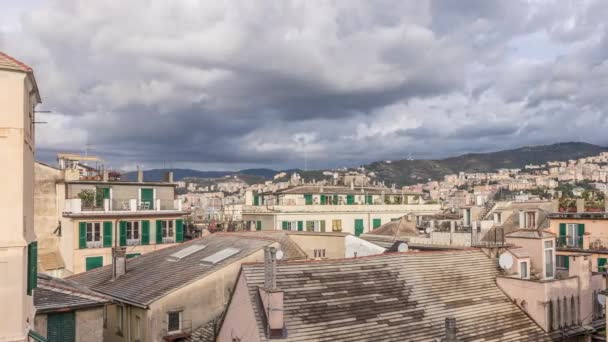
[(227, 85)]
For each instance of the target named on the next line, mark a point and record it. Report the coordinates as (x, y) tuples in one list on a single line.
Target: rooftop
[(399, 296), (337, 190), (155, 274), (530, 234), (54, 294), (579, 215), (288, 246), (9, 63)]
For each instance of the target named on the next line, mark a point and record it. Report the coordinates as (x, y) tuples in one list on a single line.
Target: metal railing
[(569, 241)]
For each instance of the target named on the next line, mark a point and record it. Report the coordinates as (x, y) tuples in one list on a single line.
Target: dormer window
[(531, 220), (497, 218)]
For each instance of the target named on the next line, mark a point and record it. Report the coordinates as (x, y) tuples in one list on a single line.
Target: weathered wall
[(46, 210), (334, 244), (240, 319), (89, 324)]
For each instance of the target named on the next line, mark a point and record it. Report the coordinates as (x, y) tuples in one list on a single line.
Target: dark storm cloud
[(232, 84)]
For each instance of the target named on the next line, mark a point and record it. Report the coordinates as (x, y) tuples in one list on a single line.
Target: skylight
[(221, 255), (179, 255)]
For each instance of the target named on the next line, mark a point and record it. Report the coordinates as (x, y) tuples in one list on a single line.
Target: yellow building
[(18, 258)]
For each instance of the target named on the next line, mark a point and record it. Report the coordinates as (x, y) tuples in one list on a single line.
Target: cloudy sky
[(235, 84)]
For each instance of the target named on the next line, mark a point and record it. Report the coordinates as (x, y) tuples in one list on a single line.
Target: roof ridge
[(24, 66)]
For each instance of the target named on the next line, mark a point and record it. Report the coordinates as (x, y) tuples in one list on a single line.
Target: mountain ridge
[(406, 172)]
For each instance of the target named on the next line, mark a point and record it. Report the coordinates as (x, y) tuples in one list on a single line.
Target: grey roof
[(511, 223), (54, 294), (386, 235), (208, 331), (530, 234), (394, 297), (288, 246), (151, 276)]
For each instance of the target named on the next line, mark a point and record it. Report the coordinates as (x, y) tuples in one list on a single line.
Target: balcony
[(570, 241), (373, 208), (76, 206)]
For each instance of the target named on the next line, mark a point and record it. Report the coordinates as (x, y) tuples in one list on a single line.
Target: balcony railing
[(570, 241)]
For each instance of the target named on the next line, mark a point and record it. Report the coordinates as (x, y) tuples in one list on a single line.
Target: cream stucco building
[(18, 99)]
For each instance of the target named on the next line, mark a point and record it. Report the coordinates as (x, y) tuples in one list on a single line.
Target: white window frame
[(552, 250), (523, 270), (292, 226), (132, 227), (180, 318), (168, 231), (93, 242), (572, 237)]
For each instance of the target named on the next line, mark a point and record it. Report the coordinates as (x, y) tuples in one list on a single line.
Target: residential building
[(560, 292), (315, 208), (389, 297), (18, 247), (166, 294), (67, 311), (83, 214)]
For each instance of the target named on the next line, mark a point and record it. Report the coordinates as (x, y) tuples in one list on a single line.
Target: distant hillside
[(406, 172)]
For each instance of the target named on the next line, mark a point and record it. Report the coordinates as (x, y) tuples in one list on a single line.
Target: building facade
[(18, 248)]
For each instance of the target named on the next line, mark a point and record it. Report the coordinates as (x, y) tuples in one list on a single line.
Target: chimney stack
[(169, 176), (119, 262), (272, 298), (140, 174), (580, 205), (105, 175), (450, 330)]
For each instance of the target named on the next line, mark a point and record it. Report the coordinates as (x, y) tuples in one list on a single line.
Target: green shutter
[(147, 196), (133, 255), (601, 262), (581, 230), (123, 233), (256, 200), (32, 266), (322, 226), (376, 223), (323, 199), (159, 232), (145, 232), (369, 199), (284, 224), (358, 227), (107, 233), (300, 226), (258, 225), (82, 235), (335, 199), (308, 199), (350, 199), (179, 230), (562, 229), (61, 327), (566, 261), (93, 262)]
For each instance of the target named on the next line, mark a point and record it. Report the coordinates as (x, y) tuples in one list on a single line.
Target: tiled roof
[(288, 246), (511, 223), (151, 276), (394, 297), (54, 294), (530, 234), (207, 332), (9, 63)]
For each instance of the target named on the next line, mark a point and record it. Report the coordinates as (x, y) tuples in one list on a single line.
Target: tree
[(89, 198)]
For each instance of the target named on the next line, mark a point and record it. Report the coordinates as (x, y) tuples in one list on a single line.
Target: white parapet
[(133, 204)]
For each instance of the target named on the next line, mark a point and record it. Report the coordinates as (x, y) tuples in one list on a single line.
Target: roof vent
[(179, 255), (221, 255)]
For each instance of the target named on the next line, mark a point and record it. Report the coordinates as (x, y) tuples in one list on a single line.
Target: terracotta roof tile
[(10, 63)]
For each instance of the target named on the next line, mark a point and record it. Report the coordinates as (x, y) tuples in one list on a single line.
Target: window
[(167, 227), (530, 219), (336, 225), (549, 263), (497, 218), (93, 234), (174, 321), (572, 235), (561, 261), (32, 267), (119, 319), (319, 253), (133, 233), (137, 328), (292, 225), (523, 269), (313, 226)]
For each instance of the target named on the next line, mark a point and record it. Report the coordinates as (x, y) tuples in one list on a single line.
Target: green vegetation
[(90, 198)]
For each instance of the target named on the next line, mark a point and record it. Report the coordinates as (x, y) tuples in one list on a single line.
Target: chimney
[(580, 205), (119, 262), (169, 176), (450, 330), (106, 175), (140, 174), (271, 297)]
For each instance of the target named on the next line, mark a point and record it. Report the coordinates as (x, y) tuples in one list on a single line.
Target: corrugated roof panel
[(221, 255), (179, 255)]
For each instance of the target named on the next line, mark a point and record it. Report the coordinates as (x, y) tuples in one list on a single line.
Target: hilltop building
[(319, 208), (82, 213), (18, 247)]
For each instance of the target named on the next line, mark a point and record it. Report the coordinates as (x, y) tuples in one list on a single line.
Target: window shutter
[(93, 262), (581, 229), (308, 199), (377, 222), (32, 266), (256, 200), (566, 261), (53, 328), (123, 233), (68, 327), (335, 199), (82, 235), (323, 199), (107, 233), (350, 199), (145, 232), (258, 225), (322, 226), (300, 226), (284, 223), (179, 230), (562, 229), (159, 232), (600, 263)]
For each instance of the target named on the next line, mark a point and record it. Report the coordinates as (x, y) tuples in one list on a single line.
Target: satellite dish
[(505, 261), (280, 255), (403, 247), (428, 230), (601, 298)]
